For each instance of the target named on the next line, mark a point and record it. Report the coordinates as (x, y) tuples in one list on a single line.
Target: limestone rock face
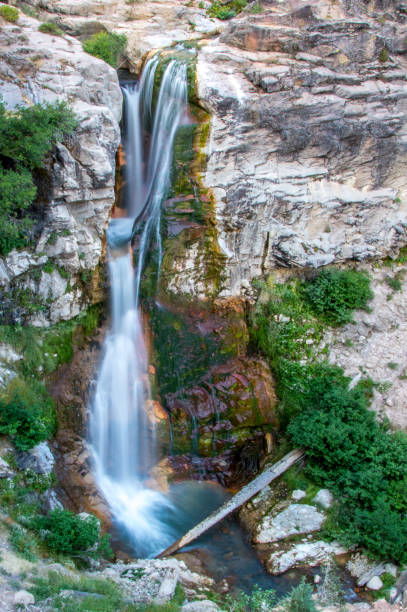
[(307, 144), (78, 193)]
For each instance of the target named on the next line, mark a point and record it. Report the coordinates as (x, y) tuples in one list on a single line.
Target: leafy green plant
[(257, 601), (107, 46), (50, 28), (394, 282), (333, 295), (22, 543), (68, 533), (9, 13), (226, 10), (300, 599), (26, 413), (27, 136)]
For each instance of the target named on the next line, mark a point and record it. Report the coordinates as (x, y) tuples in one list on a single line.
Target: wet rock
[(323, 498), (232, 398), (294, 520), (39, 459)]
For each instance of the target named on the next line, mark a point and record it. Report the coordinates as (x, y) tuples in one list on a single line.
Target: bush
[(226, 11), (50, 28), (107, 46), (359, 460), (68, 533), (26, 413), (9, 13), (333, 295), (26, 137), (17, 192), (300, 599), (348, 451)]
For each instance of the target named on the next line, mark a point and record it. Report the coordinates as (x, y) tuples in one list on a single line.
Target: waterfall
[(121, 433)]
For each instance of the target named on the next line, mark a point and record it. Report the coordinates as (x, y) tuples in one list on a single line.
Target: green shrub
[(257, 601), (68, 533), (22, 543), (27, 135), (26, 413), (50, 28), (108, 46), (394, 282), (333, 295), (9, 13), (348, 451), (226, 11), (359, 460), (300, 599), (17, 192)]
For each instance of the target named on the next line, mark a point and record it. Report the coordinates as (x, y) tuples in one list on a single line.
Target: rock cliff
[(76, 192), (307, 143), (306, 148)]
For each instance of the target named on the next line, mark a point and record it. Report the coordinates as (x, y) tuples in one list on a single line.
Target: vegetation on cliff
[(348, 450), (107, 46), (27, 136)]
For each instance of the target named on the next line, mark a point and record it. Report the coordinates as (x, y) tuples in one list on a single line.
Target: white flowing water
[(121, 433)]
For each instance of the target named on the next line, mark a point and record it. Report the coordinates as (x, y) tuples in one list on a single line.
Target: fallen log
[(246, 493)]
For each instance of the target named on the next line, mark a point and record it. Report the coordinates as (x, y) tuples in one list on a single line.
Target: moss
[(182, 355), (383, 55), (50, 28)]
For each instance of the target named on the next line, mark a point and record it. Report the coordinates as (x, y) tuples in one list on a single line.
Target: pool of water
[(224, 550)]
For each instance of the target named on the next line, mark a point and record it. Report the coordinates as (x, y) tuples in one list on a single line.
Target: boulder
[(39, 459), (323, 498), (374, 584), (294, 520), (23, 598)]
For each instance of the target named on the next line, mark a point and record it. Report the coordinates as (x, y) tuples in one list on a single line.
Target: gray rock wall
[(307, 150), (79, 191)]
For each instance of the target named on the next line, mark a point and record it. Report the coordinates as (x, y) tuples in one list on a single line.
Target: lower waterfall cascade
[(121, 434)]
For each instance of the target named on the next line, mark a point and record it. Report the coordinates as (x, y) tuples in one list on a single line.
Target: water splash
[(122, 435)]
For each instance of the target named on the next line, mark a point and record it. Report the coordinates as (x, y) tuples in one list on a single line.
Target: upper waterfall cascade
[(121, 432)]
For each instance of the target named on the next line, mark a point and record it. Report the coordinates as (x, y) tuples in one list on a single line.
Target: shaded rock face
[(77, 190), (307, 144), (224, 419)]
